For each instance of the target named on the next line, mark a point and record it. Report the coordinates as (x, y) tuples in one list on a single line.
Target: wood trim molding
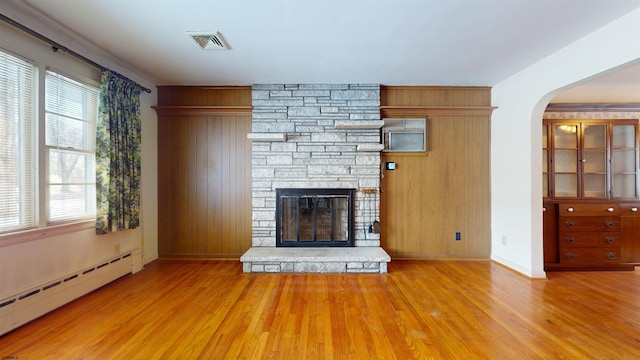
[(386, 111), (202, 110)]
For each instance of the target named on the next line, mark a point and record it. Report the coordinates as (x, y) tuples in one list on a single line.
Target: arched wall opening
[(516, 159)]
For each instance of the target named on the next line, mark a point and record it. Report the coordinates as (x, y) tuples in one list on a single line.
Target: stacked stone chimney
[(315, 136)]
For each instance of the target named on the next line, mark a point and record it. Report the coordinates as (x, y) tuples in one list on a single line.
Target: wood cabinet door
[(550, 233), (204, 185), (630, 225)]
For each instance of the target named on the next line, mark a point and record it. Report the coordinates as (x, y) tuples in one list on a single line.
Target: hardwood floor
[(188, 309)]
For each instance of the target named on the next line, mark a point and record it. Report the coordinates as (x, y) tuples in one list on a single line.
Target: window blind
[(71, 111), (17, 148)]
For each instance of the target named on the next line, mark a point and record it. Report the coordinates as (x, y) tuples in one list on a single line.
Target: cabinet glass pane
[(545, 185), (595, 185), (623, 161), (624, 136), (545, 162), (595, 136), (544, 137), (624, 185), (595, 161), (566, 136), (566, 161), (566, 185)]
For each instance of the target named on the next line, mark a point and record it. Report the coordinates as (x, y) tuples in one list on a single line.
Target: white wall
[(37, 257), (516, 136)]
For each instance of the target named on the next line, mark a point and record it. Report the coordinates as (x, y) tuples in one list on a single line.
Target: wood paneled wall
[(435, 96), (431, 196), (204, 171)]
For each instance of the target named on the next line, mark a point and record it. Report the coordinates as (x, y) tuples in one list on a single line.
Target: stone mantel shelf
[(370, 147), (202, 110), (359, 124), (267, 137), (436, 110)]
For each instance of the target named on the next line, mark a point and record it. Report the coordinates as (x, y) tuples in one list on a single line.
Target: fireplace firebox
[(314, 217)]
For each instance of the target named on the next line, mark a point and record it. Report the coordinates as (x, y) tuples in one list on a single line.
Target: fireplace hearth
[(314, 217)]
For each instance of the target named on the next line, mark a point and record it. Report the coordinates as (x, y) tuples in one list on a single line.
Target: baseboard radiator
[(26, 306)]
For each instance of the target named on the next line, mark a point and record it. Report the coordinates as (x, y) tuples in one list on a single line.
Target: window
[(17, 149), (48, 178), (71, 110)]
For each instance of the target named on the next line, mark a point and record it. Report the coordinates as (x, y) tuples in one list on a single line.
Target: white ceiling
[(392, 42)]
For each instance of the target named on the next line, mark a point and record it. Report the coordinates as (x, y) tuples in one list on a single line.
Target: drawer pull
[(611, 256), (634, 209), (570, 209), (610, 240), (569, 223), (610, 209), (609, 224), (570, 255), (570, 240)]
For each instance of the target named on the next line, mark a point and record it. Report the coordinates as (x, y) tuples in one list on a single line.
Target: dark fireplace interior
[(314, 217)]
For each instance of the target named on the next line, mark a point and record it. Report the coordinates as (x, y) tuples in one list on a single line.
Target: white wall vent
[(209, 41)]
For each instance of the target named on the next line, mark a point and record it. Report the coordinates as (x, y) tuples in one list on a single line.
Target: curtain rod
[(57, 46)]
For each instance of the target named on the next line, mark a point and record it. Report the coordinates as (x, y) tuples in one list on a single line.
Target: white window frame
[(27, 168), (87, 149), (73, 69)]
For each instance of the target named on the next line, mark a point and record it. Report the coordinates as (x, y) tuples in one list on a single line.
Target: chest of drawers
[(589, 234)]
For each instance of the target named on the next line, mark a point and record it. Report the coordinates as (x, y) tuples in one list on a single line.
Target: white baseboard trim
[(26, 306), (526, 272)]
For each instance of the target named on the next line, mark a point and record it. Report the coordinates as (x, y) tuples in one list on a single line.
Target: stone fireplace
[(316, 136)]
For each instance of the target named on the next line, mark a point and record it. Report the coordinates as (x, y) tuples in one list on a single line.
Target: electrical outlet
[(458, 235), (504, 240)]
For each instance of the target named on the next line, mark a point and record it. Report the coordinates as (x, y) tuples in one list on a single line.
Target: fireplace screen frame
[(313, 194)]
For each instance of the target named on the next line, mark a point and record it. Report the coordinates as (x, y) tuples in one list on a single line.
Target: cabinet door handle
[(609, 224), (610, 209), (570, 255), (634, 209), (570, 240), (610, 240), (569, 223), (611, 256), (544, 209), (570, 209)]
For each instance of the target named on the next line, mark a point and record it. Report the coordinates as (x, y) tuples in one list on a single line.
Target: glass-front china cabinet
[(591, 188)]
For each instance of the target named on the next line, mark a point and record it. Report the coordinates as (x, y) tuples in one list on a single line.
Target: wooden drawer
[(590, 256), (594, 223), (572, 240), (630, 210), (588, 210)]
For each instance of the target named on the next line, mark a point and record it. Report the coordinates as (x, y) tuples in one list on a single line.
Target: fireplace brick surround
[(315, 136)]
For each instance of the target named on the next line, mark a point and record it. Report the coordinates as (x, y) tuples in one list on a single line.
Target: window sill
[(44, 232)]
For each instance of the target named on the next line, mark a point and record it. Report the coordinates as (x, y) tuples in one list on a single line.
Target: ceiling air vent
[(209, 41)]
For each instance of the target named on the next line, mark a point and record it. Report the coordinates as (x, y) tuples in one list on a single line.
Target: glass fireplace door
[(314, 217)]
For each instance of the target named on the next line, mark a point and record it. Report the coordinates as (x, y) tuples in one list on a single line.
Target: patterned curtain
[(118, 142)]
